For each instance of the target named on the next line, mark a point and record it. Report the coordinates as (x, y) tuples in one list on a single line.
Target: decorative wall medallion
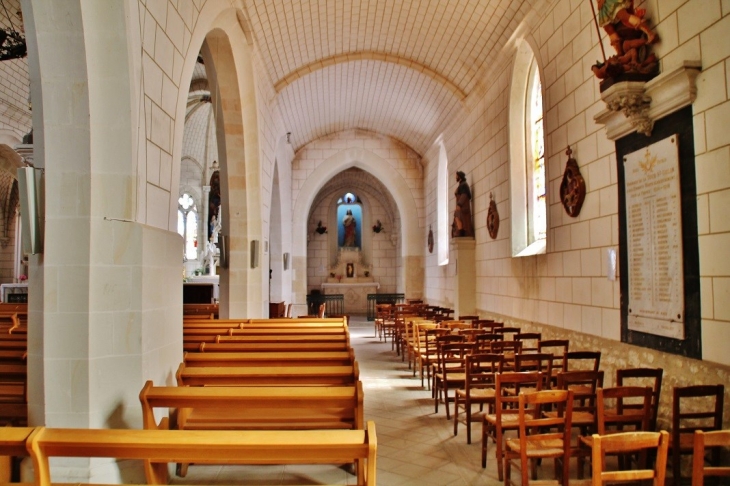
[(492, 218), (430, 239), (573, 187)]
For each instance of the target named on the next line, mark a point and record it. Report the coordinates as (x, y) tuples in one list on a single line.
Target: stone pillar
[(463, 250)]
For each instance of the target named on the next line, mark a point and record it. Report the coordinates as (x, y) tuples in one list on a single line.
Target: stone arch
[(380, 169), (230, 77)]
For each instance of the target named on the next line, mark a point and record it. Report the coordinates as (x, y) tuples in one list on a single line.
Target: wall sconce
[(320, 229), (286, 261), (288, 137), (378, 227)]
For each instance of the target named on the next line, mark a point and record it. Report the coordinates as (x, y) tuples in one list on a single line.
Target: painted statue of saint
[(350, 229), (462, 225)]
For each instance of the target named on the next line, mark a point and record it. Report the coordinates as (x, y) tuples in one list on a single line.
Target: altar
[(355, 294)]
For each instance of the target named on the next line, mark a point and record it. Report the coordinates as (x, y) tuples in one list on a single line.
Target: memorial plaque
[(654, 240)]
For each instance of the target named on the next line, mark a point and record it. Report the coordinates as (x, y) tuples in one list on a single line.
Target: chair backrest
[(320, 312), (454, 325), (644, 377), (702, 440), (481, 370), (696, 407), (436, 336), (541, 362), (530, 341), (288, 310), (487, 324), (470, 318), (508, 332), (558, 348), (630, 442), (509, 347), (584, 385), (507, 389), (537, 428), (618, 406), (582, 360), (484, 341), (452, 356)]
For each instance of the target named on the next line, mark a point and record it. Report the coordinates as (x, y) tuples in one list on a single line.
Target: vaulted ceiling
[(403, 68)]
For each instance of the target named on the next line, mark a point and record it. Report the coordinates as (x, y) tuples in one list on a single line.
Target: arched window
[(536, 203), (528, 179), (187, 225)]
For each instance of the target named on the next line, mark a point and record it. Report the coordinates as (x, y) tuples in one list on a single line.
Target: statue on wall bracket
[(462, 225), (631, 38), (573, 187), (429, 240)]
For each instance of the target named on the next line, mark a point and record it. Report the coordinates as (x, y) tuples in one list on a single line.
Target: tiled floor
[(415, 445)]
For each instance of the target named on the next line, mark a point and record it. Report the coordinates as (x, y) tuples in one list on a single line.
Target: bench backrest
[(256, 407), (159, 447), (254, 358), (266, 375)]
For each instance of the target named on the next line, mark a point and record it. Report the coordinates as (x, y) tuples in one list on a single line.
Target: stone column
[(463, 250)]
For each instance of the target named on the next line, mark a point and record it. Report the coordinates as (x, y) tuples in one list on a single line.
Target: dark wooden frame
[(681, 124)]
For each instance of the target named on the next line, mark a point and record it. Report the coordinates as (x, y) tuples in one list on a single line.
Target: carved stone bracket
[(635, 105)]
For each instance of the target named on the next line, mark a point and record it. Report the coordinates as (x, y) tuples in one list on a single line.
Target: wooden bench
[(159, 447), (271, 358), (12, 446), (266, 375), (207, 310), (248, 408), (268, 323), (264, 347)]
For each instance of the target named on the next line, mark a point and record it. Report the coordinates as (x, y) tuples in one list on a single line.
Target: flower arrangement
[(22, 278), (378, 227), (320, 229)]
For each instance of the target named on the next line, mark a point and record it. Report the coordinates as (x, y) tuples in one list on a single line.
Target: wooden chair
[(505, 417), (418, 345), (451, 372), (384, 319), (429, 359), (508, 349), (530, 341), (646, 377), (481, 371), (703, 440), (537, 439), (627, 442), (697, 407), (616, 409)]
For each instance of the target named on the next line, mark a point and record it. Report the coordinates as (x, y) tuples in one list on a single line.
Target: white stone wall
[(405, 164), (568, 288)]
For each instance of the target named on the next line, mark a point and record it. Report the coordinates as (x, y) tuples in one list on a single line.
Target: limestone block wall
[(568, 288), (388, 247)]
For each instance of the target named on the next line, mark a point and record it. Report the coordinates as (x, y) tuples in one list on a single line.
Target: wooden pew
[(249, 408), (159, 447), (264, 347), (271, 358), (277, 322), (266, 375), (202, 310)]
